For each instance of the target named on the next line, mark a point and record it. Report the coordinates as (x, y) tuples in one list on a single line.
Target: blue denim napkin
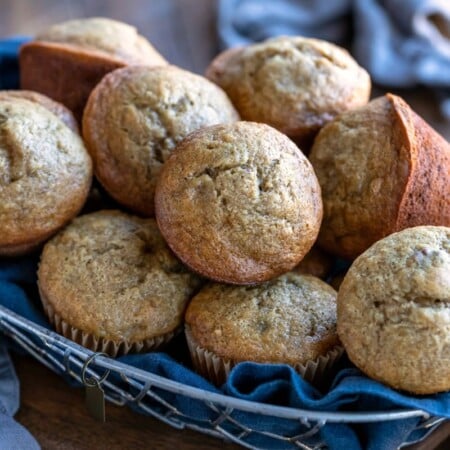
[(397, 41), (275, 384), (12, 434), (9, 67)]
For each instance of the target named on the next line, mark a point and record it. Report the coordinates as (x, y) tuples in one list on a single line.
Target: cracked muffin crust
[(294, 84), (66, 61), (45, 175), (111, 276), (56, 108), (381, 169), (394, 310), (136, 116), (238, 203), (291, 319)]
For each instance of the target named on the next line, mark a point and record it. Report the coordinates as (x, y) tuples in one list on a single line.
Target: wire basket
[(144, 392)]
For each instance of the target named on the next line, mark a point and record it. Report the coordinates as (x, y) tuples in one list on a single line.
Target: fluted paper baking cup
[(318, 371), (206, 363), (101, 344), (217, 369)]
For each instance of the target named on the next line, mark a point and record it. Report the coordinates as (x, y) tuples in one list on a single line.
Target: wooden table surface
[(183, 31)]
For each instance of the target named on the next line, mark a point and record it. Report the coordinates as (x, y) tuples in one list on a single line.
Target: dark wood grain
[(183, 31), (55, 414)]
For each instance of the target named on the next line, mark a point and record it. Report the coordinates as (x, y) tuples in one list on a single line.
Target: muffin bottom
[(101, 344), (217, 369)]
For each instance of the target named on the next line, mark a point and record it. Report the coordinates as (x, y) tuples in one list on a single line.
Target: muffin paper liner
[(100, 344), (217, 369)]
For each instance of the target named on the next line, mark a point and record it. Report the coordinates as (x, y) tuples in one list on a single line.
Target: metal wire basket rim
[(201, 394)]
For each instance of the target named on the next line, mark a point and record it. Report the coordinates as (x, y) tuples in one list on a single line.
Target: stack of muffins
[(219, 215)]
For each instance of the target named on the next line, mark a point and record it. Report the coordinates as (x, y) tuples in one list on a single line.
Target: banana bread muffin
[(294, 84), (67, 60), (238, 203), (56, 108), (290, 320), (394, 310), (109, 282), (45, 175), (381, 169), (136, 116)]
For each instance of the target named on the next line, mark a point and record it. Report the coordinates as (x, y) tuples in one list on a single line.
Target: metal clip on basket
[(126, 385)]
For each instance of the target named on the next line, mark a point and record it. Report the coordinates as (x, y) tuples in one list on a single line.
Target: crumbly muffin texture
[(238, 203), (135, 118), (45, 173), (294, 84), (381, 169), (56, 108), (99, 34), (394, 310), (291, 320), (112, 275)]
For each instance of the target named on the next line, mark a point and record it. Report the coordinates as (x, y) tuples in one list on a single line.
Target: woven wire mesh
[(156, 396)]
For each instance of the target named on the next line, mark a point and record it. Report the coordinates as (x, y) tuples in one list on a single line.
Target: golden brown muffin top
[(291, 319), (381, 169), (56, 108), (295, 84), (112, 275), (134, 119), (394, 310), (362, 167), (98, 34), (45, 172), (238, 203)]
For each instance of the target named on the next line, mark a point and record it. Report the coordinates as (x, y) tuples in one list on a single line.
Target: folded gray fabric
[(12, 435), (242, 22), (402, 43)]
